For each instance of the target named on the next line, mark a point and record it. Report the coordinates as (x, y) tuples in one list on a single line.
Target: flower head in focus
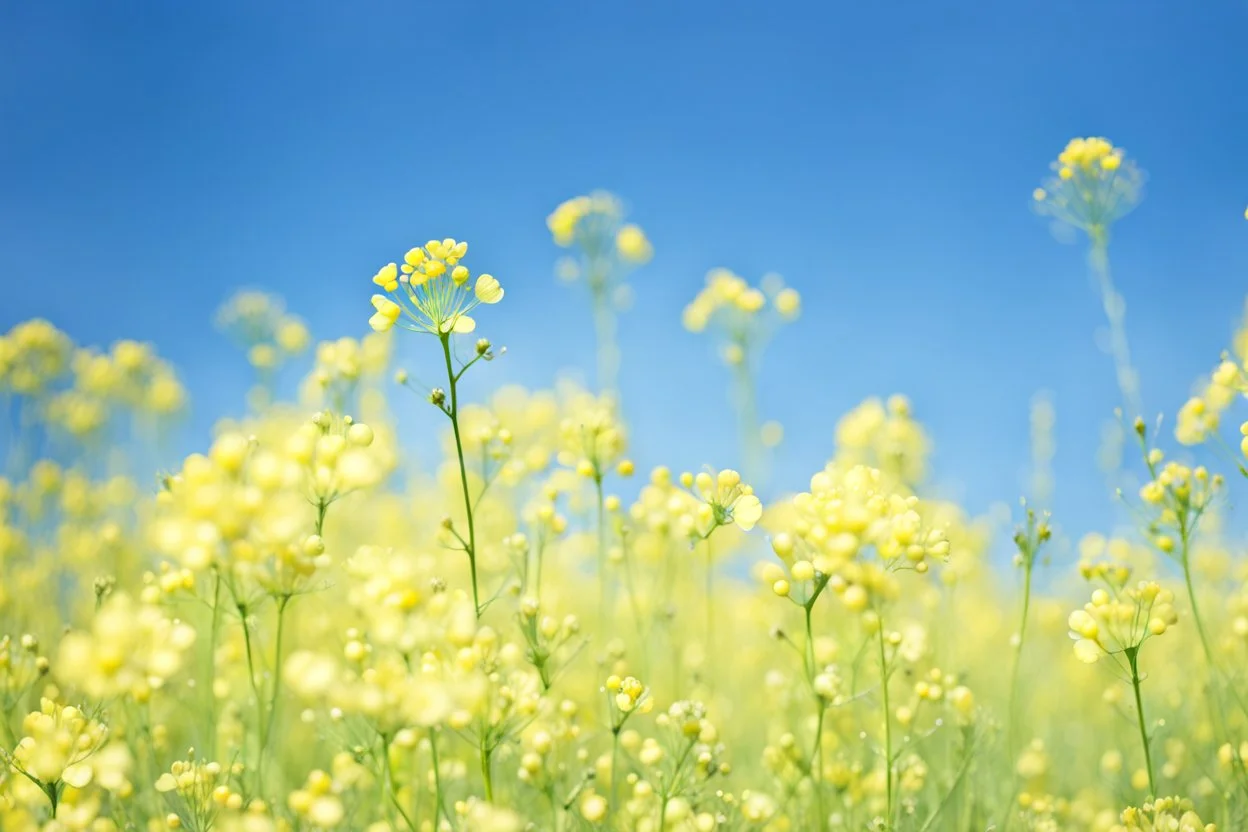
[(431, 291), (725, 500)]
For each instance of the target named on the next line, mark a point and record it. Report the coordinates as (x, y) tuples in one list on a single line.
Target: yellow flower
[(487, 289), (1095, 184), (387, 313), (632, 244), (429, 293)]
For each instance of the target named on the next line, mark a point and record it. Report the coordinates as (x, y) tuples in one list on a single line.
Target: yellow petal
[(464, 324), (488, 289), (1087, 651), (77, 776), (746, 511), (387, 275)]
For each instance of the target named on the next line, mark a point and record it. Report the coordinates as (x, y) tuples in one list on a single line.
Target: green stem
[(888, 732), (615, 769), (747, 415), (321, 508), (255, 690), (438, 808), (808, 659), (1018, 660), (453, 413), (604, 331), (603, 588), (817, 773), (212, 664), (389, 775), (710, 598), (487, 774), (1132, 657), (1191, 597), (267, 733), (1113, 305)]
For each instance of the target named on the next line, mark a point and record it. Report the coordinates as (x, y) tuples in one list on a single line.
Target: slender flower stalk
[(1093, 185), (1028, 541), (604, 250), (743, 319), (429, 293), (885, 675)]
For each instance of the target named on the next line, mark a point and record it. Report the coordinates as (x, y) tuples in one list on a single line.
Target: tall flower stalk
[(1028, 541), (604, 250), (1092, 186), (429, 293), (742, 319)]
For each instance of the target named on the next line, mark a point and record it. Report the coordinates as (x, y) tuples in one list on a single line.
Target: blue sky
[(155, 156)]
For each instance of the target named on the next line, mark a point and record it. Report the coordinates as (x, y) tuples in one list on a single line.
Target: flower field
[(297, 627)]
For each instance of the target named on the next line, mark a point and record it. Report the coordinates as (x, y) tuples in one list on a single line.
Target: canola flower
[(743, 318), (605, 249), (1094, 185), (321, 621), (435, 299)]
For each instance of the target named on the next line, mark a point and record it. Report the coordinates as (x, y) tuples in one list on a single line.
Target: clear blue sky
[(880, 156)]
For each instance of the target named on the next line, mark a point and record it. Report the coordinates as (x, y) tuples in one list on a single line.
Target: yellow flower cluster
[(129, 650), (592, 439), (259, 323), (57, 746), (852, 527), (131, 378), (82, 392), (1119, 619), (246, 508), (605, 250), (430, 292), (199, 791), (33, 355), (342, 366), (745, 314), (595, 224), (1200, 416), (1093, 184), (723, 500), (886, 436), (1162, 814)]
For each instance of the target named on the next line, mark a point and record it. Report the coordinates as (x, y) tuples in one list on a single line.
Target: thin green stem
[(52, 790), (274, 697), (604, 331), (322, 507), (808, 660), (615, 769), (391, 792), (453, 413), (817, 769), (439, 809), (710, 598), (888, 732), (1185, 547), (211, 676), (1018, 658), (747, 417), (487, 774), (1132, 659), (603, 587), (255, 690), (1115, 315)]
